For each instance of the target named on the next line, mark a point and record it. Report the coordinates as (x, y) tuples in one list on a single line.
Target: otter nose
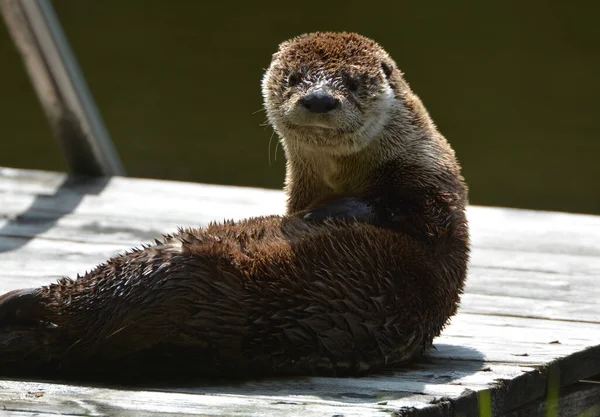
[(319, 102)]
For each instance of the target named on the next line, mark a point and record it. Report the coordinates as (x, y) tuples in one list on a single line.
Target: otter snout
[(319, 102)]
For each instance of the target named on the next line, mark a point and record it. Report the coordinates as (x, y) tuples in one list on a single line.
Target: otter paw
[(341, 209), (21, 307)]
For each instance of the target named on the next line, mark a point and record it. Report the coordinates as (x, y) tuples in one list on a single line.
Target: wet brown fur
[(279, 294)]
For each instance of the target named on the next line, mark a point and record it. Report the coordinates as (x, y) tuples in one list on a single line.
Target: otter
[(362, 272)]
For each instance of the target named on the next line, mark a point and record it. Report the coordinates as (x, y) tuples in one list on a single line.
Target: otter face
[(330, 92)]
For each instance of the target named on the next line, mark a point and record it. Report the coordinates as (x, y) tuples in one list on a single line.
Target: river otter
[(362, 272)]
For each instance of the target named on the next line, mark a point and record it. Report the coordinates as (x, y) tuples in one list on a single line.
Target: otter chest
[(333, 178), (336, 178)]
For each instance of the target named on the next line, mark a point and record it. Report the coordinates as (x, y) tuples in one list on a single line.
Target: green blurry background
[(513, 85)]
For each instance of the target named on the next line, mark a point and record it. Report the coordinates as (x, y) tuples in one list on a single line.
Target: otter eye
[(293, 79), (352, 83)]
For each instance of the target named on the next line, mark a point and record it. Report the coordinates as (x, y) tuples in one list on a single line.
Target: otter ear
[(388, 68)]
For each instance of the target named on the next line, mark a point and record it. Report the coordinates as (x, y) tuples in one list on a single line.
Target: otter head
[(330, 92)]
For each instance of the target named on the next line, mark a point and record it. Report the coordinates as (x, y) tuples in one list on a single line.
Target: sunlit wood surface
[(528, 327)]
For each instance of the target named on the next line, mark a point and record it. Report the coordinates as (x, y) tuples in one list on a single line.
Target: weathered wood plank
[(509, 328), (474, 349), (133, 231), (398, 390), (103, 401), (530, 285), (535, 231), (96, 229), (40, 259), (519, 230), (558, 263), (533, 285), (376, 395), (43, 262), (578, 400), (135, 198), (527, 307)]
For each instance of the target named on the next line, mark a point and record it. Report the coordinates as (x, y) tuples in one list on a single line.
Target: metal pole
[(61, 87)]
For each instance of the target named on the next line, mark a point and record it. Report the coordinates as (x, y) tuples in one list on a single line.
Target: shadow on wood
[(41, 219), (420, 381)]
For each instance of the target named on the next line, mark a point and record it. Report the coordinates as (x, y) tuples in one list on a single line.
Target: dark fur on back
[(363, 271)]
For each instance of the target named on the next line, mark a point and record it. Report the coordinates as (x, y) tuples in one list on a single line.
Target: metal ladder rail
[(61, 88)]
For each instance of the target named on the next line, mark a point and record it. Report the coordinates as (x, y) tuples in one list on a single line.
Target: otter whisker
[(276, 147), (269, 148), (300, 158), (117, 331), (73, 345)]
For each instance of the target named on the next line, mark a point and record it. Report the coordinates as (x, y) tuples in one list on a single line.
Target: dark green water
[(513, 85)]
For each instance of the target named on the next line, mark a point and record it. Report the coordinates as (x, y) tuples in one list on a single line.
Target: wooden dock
[(526, 341)]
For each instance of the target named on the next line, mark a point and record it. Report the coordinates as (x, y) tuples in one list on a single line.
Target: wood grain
[(531, 306)]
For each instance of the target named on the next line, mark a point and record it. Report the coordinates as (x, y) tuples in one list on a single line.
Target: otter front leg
[(346, 208)]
